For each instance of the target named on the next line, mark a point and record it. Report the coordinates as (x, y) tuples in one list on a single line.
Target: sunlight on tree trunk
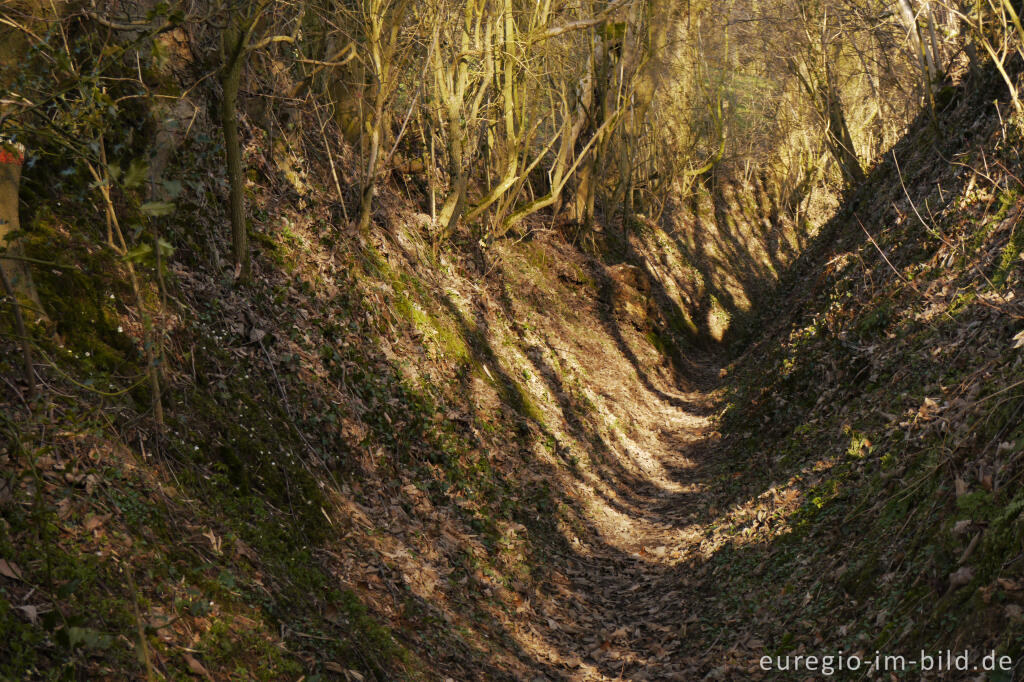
[(12, 255)]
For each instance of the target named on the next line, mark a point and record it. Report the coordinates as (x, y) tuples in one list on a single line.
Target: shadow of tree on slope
[(648, 597)]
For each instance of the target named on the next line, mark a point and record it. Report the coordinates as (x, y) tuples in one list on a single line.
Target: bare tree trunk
[(381, 21), (840, 140), (373, 157), (12, 261), (234, 39), (14, 274), (455, 202), (924, 50)]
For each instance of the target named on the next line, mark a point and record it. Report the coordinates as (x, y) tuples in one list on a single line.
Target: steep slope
[(871, 452), (391, 458), (371, 456)]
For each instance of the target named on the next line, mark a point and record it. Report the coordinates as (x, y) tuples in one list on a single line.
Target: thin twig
[(941, 236)]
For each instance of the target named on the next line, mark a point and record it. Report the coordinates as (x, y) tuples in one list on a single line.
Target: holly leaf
[(155, 209), (139, 253), (166, 250), (172, 188), (136, 174)]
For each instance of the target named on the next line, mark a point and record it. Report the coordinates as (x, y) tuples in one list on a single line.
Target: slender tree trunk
[(14, 274), (924, 50), (12, 255), (455, 202), (581, 200), (454, 205), (370, 183), (839, 138), (231, 76)]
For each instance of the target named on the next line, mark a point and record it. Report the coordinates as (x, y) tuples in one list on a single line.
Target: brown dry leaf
[(986, 480), (9, 569), (1014, 612), (195, 667), (961, 577), (243, 550), (960, 486), (94, 521), (961, 527), (30, 612), (1010, 585), (927, 409), (64, 509), (215, 542), (349, 674), (986, 593), (245, 623)]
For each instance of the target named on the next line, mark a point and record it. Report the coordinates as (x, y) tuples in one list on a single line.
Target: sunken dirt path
[(623, 600)]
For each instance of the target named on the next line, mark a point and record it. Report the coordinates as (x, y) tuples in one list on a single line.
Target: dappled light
[(465, 340)]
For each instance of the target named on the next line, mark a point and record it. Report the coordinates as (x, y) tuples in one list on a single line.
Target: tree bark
[(234, 39), (839, 138), (12, 254)]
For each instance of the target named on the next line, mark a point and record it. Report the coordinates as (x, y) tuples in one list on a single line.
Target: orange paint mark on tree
[(8, 156)]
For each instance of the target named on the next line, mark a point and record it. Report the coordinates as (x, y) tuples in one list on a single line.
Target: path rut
[(621, 603)]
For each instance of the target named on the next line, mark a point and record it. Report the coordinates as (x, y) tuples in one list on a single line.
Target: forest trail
[(626, 433), (409, 361), (617, 598), (618, 607)]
